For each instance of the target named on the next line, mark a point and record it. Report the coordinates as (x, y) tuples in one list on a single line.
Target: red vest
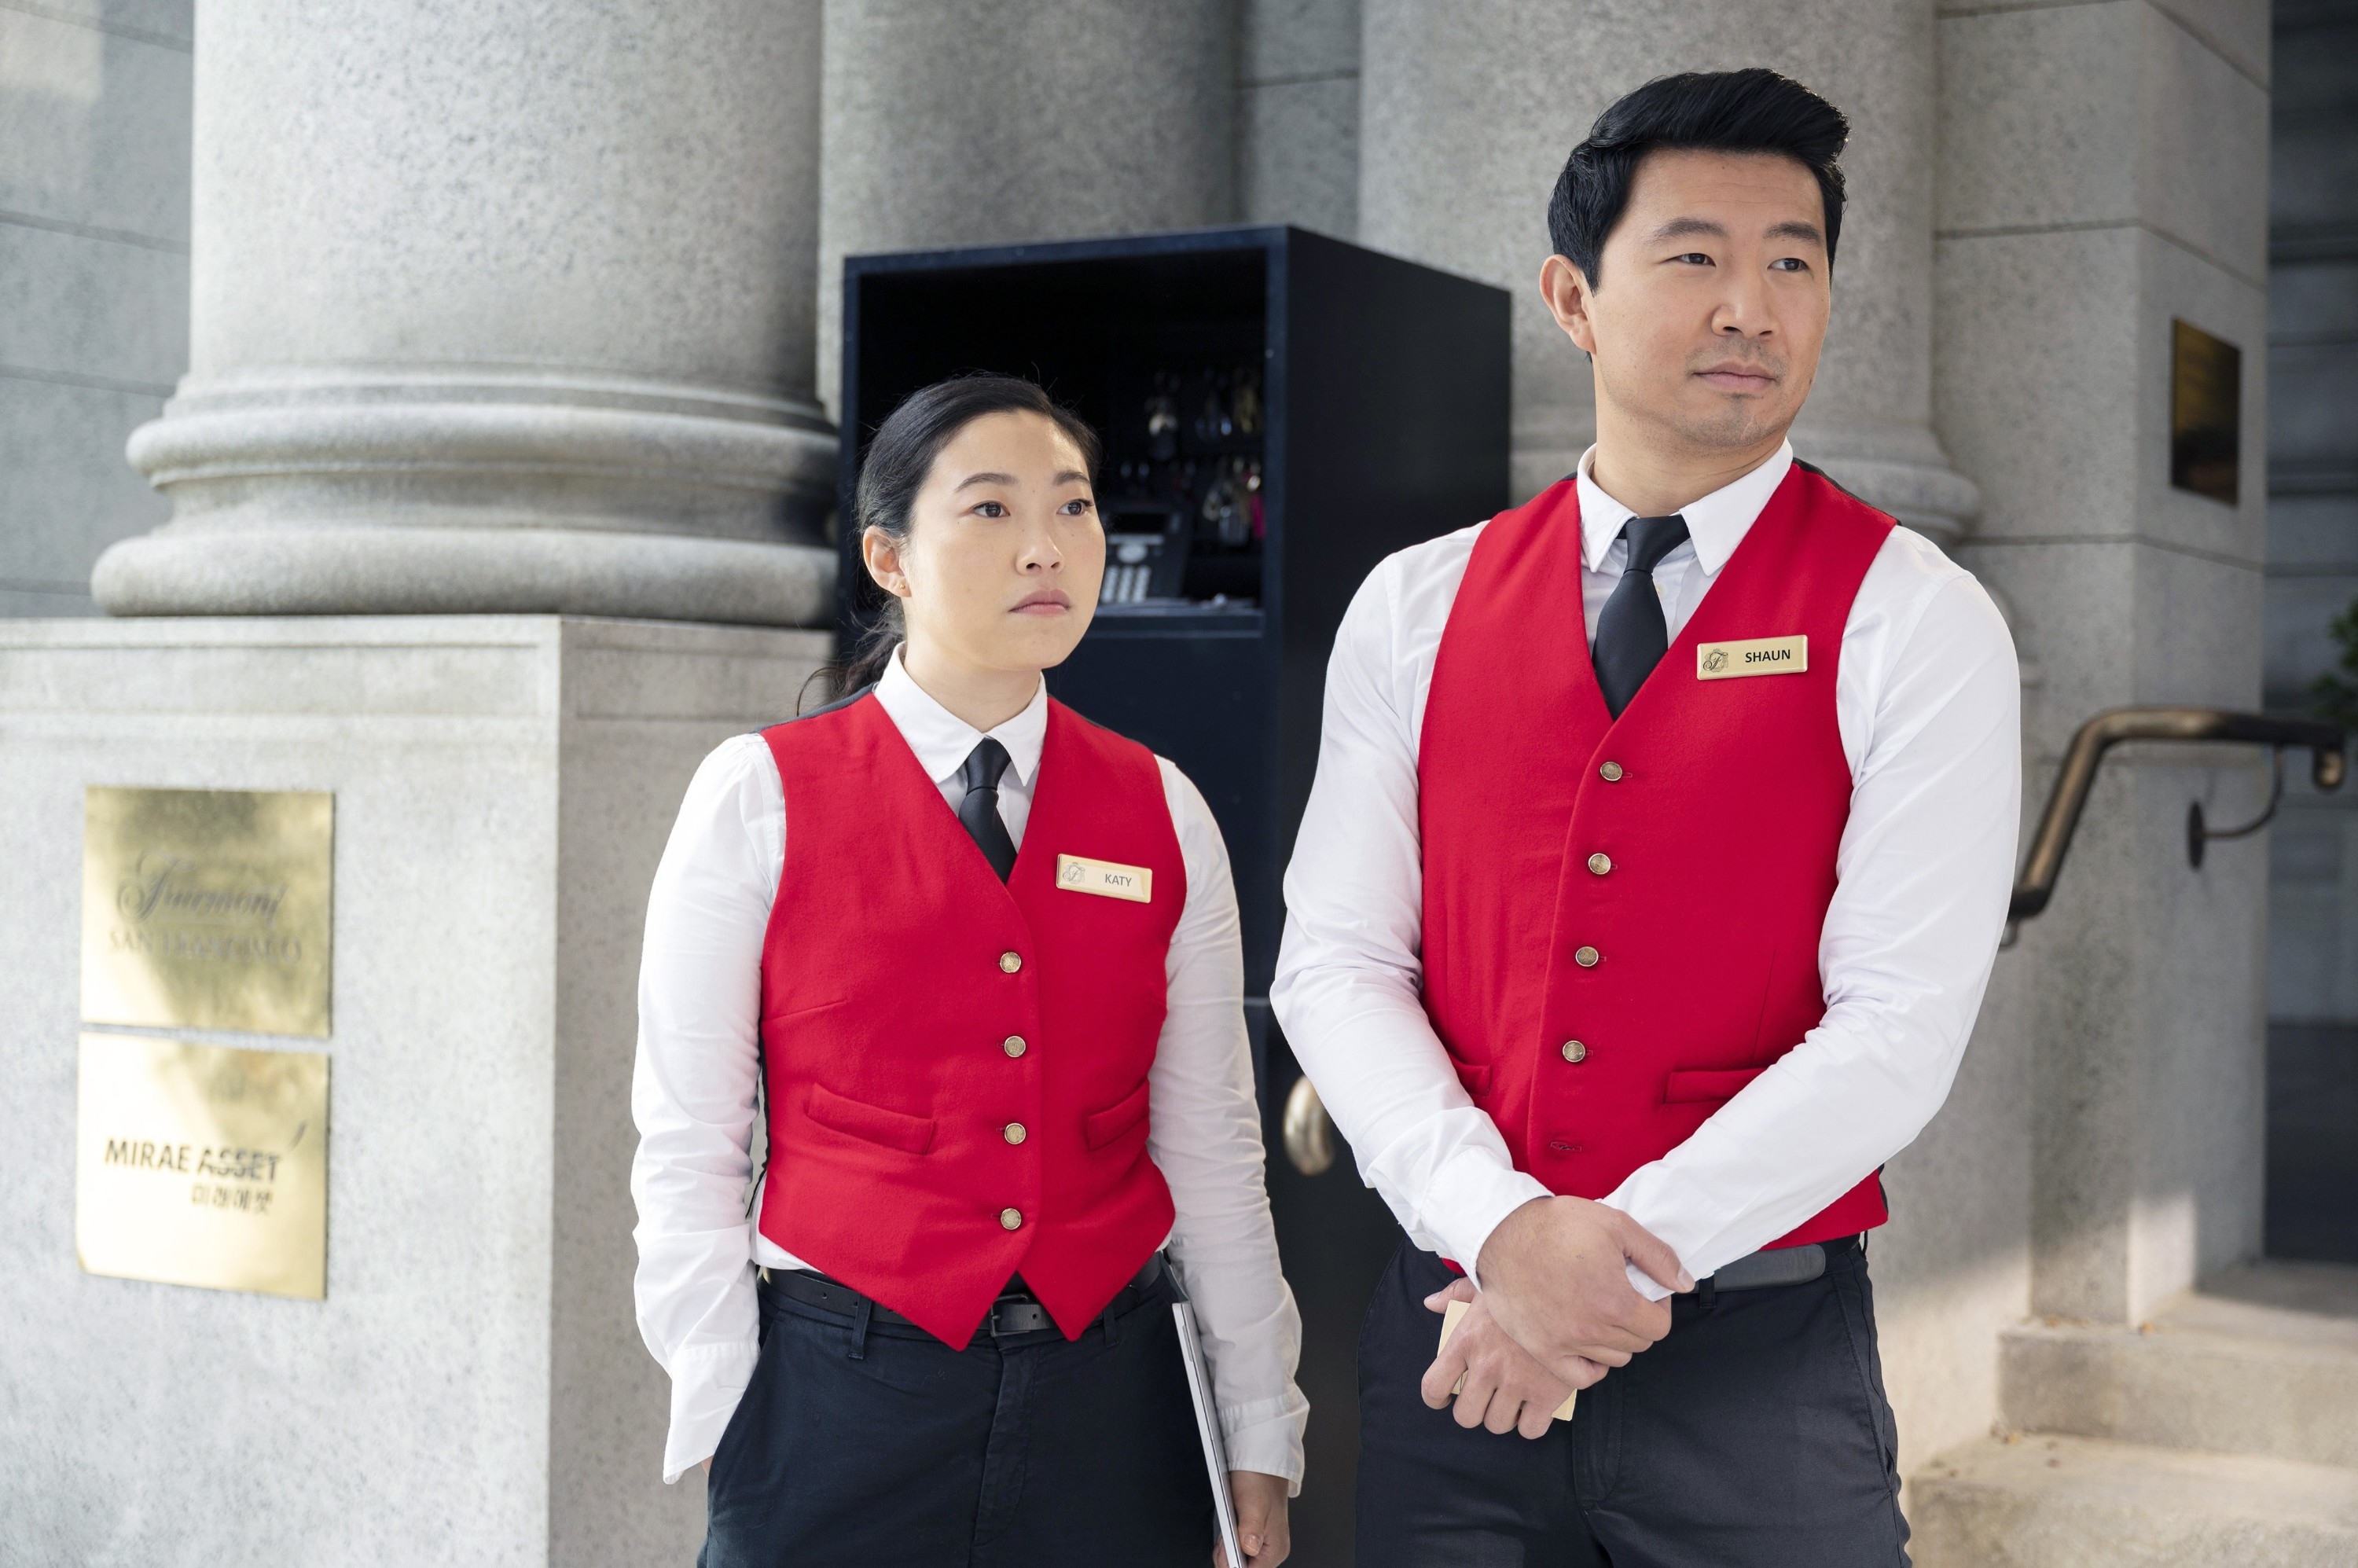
[(1643, 893), (956, 1068)]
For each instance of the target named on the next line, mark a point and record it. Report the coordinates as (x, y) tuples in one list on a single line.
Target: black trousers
[(1756, 1435), (879, 1445)]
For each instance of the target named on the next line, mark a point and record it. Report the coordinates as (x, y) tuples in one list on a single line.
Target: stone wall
[(1298, 114), (2312, 547), (2313, 574), (94, 276)]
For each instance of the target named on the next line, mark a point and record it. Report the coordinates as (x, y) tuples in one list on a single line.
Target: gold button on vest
[(1010, 962), (1015, 1132), (1600, 864), (1584, 956), (1013, 1045), (1612, 773), (1573, 1051), (1011, 1218)]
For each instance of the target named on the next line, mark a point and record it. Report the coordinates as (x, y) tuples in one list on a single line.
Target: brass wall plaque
[(207, 909), (2206, 413), (203, 1165)]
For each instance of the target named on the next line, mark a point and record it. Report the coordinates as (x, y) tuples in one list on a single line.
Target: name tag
[(1759, 656), (1107, 879)]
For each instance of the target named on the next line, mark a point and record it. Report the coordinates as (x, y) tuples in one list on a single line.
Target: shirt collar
[(942, 741), (1717, 524)]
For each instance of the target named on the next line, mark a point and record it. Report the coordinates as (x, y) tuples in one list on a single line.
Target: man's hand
[(1506, 1388), (1553, 1278), (1261, 1525)]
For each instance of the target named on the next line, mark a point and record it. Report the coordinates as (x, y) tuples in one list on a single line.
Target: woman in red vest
[(984, 1000)]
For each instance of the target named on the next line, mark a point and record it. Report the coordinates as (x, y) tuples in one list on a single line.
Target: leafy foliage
[(2335, 694)]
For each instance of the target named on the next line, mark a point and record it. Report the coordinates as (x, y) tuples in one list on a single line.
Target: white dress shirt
[(694, 1091), (1927, 698)]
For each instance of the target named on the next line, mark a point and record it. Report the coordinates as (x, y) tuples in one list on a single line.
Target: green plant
[(2335, 693)]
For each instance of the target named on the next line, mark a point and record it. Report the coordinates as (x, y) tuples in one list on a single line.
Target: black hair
[(900, 457), (1754, 111)]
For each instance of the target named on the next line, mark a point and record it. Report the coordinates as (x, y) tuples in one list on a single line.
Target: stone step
[(2077, 1502), (2261, 1361)]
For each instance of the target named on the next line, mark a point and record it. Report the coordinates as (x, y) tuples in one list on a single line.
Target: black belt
[(1017, 1311), (1780, 1265)]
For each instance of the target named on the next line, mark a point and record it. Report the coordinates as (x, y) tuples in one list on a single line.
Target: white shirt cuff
[(706, 1382), (1469, 1195), (1644, 1284), (1266, 1436)]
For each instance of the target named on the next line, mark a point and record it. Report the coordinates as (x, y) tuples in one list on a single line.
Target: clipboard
[(1207, 1427)]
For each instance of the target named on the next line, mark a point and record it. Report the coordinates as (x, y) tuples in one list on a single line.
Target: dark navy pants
[(879, 1445), (1756, 1435)]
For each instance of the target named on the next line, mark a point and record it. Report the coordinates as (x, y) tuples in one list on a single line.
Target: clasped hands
[(1555, 1314)]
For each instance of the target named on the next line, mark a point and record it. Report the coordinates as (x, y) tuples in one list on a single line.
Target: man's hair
[(1753, 111)]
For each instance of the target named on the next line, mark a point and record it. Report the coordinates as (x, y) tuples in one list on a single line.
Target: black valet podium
[(1279, 412)]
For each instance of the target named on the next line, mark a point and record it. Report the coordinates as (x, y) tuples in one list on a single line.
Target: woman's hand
[(1261, 1527)]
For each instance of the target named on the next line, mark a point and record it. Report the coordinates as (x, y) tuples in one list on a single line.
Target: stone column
[(1298, 114), (971, 123), (1469, 110), (2104, 172), (496, 307)]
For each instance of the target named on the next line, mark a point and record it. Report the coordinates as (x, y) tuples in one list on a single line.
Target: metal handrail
[(2326, 765)]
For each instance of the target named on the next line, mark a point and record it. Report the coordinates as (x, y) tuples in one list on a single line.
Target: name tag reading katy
[(207, 909), (1107, 879), (1759, 656), (203, 1165)]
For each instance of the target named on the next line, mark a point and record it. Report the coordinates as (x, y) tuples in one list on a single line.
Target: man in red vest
[(1625, 960)]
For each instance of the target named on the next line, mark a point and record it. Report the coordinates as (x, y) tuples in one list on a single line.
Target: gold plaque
[(1107, 879), (2206, 412), (207, 909), (203, 1165), (1759, 656)]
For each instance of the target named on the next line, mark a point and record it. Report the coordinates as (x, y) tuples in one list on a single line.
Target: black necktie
[(1631, 635), (980, 809)]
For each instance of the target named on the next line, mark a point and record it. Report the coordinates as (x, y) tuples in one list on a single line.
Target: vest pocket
[(1691, 1085), (1475, 1075), (876, 1123), (1100, 1127)]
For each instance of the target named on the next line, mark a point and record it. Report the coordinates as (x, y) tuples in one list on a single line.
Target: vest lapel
[(930, 816)]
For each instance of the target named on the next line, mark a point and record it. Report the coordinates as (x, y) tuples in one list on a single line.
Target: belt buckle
[(1000, 1325)]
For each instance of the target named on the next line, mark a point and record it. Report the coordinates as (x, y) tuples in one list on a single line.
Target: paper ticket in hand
[(1449, 1321)]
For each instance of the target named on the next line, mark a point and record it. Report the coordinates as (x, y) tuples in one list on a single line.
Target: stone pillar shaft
[(2102, 176), (1055, 120), (496, 310)]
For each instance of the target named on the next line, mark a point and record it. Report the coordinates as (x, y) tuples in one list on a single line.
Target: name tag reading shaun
[(1107, 879), (1759, 656)]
